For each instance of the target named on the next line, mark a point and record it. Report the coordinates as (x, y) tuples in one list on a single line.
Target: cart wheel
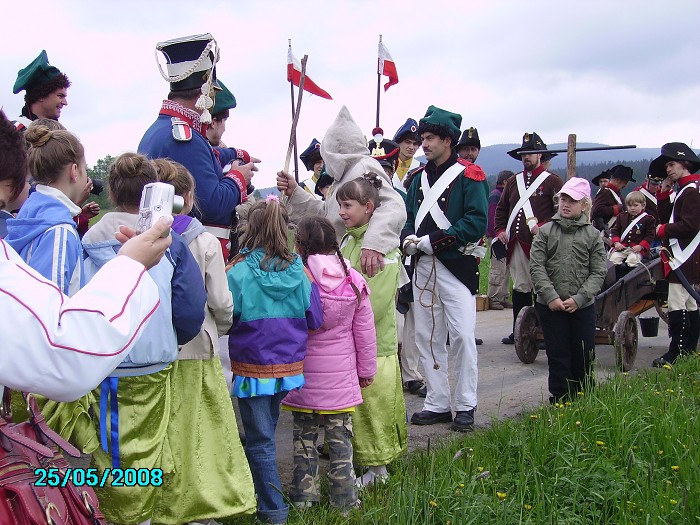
[(525, 334), (626, 340)]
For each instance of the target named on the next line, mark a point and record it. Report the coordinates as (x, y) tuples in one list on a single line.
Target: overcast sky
[(616, 72)]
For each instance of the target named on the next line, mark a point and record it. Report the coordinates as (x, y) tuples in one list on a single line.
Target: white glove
[(424, 245), (410, 246)]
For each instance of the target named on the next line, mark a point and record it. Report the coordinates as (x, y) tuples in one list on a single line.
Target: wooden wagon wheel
[(626, 340), (525, 333)]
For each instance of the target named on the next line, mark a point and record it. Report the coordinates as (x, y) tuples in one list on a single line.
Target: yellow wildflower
[(527, 506), (579, 393), (661, 452), (669, 390), (675, 468), (534, 416), (433, 503), (600, 443), (673, 501), (578, 423), (501, 495), (461, 485)]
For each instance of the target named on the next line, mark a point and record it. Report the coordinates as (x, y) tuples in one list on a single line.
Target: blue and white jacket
[(46, 237), (182, 296)]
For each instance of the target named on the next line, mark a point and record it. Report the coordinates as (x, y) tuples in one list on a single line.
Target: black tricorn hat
[(621, 172), (311, 155), (387, 153), (673, 151), (531, 142), (470, 137), (408, 131), (603, 175)]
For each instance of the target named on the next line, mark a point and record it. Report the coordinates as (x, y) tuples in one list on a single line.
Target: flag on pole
[(387, 67), (294, 76)]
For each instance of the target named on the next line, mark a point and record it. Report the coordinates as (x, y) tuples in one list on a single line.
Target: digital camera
[(158, 200)]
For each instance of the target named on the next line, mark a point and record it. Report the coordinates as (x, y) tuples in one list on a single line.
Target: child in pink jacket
[(341, 358)]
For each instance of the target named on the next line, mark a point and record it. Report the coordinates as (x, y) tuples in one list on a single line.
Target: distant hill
[(494, 159)]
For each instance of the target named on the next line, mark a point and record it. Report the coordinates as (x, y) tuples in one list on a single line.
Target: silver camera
[(158, 200)]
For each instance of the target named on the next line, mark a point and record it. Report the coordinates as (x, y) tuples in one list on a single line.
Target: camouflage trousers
[(341, 475)]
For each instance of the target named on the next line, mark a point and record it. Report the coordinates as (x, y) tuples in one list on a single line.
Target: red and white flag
[(387, 67), (294, 76)]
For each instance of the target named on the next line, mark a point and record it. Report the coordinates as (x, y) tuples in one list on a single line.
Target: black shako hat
[(470, 137), (620, 172), (408, 131), (311, 155), (673, 151), (531, 142), (390, 155)]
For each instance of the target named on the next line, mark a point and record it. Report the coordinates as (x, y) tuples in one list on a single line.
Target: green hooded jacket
[(567, 259)]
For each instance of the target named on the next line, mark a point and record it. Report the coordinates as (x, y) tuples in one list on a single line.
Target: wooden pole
[(296, 114), (296, 162), (379, 84), (571, 156)]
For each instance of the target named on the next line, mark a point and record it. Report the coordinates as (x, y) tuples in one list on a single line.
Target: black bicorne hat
[(621, 172), (673, 151), (531, 142), (387, 153), (603, 175), (470, 137)]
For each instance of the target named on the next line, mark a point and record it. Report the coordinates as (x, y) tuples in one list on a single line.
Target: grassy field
[(626, 453)]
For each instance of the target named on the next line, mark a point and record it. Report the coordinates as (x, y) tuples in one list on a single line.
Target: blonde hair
[(51, 151), (128, 174), (587, 205), (636, 197), (267, 228)]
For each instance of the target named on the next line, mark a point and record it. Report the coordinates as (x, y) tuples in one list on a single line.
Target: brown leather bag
[(27, 495)]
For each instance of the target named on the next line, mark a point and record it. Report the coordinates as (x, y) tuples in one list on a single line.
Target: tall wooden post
[(571, 156)]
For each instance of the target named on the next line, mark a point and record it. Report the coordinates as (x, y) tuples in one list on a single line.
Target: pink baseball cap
[(576, 188)]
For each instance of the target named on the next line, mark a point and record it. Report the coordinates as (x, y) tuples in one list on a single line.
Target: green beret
[(451, 122), (224, 99), (35, 74)]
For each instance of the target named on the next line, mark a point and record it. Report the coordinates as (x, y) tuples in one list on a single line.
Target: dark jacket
[(642, 233)]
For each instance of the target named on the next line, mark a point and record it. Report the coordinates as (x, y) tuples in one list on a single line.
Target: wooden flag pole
[(295, 120), (379, 84), (571, 156), (296, 161)]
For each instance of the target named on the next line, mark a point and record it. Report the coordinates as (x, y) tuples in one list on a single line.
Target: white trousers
[(627, 255), (439, 295), (680, 299), (519, 266), (410, 357)]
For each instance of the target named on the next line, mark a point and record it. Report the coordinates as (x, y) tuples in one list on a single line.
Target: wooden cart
[(616, 309)]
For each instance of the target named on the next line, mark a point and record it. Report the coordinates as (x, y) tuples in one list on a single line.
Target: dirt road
[(506, 385)]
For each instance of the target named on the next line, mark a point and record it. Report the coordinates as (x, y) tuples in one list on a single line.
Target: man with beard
[(526, 204), (446, 209)]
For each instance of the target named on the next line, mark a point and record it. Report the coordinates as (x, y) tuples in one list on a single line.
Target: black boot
[(677, 328), (520, 301), (693, 333)]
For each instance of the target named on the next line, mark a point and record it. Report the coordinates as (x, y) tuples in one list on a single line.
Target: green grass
[(626, 453)]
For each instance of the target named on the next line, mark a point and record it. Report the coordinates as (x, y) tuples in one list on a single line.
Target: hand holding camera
[(158, 200)]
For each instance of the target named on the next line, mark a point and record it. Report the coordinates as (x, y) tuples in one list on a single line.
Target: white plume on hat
[(344, 151)]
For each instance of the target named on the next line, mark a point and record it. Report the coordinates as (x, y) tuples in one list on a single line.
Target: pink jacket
[(344, 348)]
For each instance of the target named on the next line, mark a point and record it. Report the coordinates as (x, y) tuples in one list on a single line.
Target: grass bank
[(626, 453)]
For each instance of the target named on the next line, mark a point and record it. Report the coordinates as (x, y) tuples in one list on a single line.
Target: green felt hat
[(447, 120), (224, 99), (35, 74)]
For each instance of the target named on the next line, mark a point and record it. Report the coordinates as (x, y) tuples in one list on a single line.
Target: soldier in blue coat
[(179, 133)]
